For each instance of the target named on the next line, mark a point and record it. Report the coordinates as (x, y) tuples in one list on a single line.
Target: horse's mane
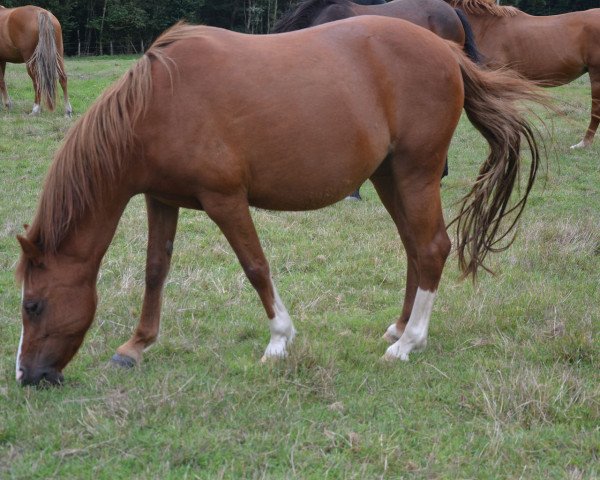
[(484, 6), (96, 150), (303, 15)]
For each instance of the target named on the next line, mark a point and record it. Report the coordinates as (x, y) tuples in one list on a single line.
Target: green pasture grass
[(507, 388)]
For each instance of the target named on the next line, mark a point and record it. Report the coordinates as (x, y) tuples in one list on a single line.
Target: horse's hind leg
[(595, 120), (3, 91), (62, 78), (36, 103), (413, 200), (232, 214), (162, 223)]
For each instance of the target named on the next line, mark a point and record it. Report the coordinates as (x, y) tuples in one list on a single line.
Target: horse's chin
[(43, 377)]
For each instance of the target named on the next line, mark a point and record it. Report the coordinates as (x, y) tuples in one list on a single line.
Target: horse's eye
[(33, 307)]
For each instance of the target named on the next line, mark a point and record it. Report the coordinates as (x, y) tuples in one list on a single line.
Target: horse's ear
[(26, 226), (30, 249)]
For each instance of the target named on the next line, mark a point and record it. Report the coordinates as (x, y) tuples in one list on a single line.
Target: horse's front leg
[(232, 214), (162, 223)]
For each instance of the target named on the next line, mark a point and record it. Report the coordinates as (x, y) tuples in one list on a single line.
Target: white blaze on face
[(282, 329), (414, 337), (18, 372)]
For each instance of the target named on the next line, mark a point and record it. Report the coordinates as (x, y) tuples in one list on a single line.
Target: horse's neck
[(89, 238), (486, 25)]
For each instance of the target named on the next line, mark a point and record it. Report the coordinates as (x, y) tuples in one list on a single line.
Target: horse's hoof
[(389, 358), (353, 197), (123, 361), (272, 359), (579, 145)]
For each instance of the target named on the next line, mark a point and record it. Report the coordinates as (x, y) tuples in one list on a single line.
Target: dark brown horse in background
[(553, 50), (434, 15), (220, 121), (33, 36)]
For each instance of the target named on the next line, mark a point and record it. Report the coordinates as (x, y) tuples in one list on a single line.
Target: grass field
[(507, 388)]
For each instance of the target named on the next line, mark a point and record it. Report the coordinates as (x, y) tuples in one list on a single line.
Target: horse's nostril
[(20, 374)]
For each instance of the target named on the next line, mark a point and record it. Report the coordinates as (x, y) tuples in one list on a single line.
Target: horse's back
[(331, 99), (553, 49)]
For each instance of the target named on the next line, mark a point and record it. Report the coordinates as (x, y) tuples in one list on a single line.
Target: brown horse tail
[(490, 104), (44, 63)]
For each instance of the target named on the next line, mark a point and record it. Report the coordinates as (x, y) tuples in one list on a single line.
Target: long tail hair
[(470, 46), (44, 62), (490, 104)]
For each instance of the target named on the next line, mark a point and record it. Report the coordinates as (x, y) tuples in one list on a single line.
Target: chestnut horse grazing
[(33, 36), (553, 50), (220, 121)]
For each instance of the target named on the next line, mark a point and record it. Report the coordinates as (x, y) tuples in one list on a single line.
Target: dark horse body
[(220, 121), (434, 15), (33, 36), (553, 50)]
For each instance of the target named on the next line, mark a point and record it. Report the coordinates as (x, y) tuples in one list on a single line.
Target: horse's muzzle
[(41, 377)]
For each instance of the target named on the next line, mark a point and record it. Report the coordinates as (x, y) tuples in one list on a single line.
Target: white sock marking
[(414, 337), (282, 330), (579, 145), (18, 372), (36, 109)]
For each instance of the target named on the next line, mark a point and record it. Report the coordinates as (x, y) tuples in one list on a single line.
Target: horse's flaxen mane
[(484, 6), (96, 150), (303, 15)]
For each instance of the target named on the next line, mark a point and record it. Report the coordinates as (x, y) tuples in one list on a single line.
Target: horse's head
[(58, 305)]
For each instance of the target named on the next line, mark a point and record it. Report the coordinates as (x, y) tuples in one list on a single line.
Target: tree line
[(92, 27)]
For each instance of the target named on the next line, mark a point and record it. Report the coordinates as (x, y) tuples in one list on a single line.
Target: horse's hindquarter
[(312, 112), (549, 49), (19, 33)]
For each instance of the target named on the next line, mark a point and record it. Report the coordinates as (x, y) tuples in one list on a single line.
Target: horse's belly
[(314, 183)]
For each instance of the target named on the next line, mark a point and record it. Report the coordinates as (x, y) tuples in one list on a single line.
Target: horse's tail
[(490, 104), (44, 63), (470, 46)]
